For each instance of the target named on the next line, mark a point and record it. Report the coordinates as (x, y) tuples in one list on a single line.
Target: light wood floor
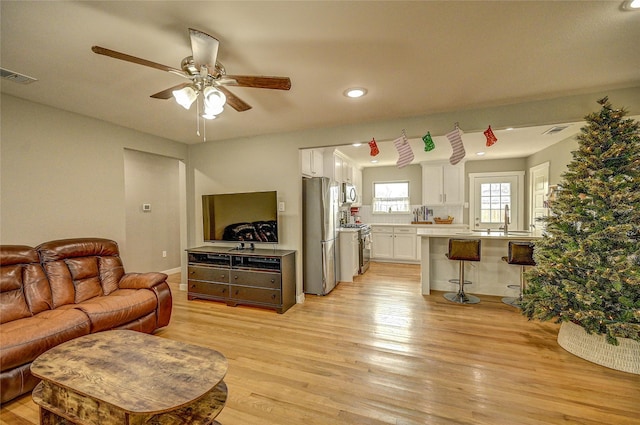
[(377, 352)]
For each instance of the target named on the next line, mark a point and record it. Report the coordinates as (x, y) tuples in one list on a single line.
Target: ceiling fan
[(206, 75)]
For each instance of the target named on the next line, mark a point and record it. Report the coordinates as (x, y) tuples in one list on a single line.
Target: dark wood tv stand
[(258, 277)]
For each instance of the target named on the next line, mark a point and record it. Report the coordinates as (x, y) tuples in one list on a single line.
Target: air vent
[(16, 77), (555, 129)]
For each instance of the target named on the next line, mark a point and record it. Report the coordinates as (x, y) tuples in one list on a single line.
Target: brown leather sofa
[(64, 289)]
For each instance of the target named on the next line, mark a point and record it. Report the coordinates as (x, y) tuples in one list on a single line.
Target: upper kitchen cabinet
[(312, 162), (333, 166), (442, 184)]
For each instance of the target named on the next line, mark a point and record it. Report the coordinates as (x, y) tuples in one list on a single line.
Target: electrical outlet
[(164, 254), (281, 206)]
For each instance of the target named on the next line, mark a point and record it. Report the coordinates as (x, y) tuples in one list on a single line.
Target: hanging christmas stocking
[(491, 138), (374, 147), (455, 138), (428, 142), (404, 151)]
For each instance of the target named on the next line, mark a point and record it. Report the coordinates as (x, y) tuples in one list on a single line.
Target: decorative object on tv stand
[(588, 264)]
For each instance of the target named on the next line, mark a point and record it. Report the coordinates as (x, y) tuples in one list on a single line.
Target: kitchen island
[(489, 276)]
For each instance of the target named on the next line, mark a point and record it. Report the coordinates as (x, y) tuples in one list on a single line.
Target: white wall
[(62, 174), (154, 180)]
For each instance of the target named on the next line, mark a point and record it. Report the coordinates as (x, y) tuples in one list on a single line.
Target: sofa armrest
[(141, 280)]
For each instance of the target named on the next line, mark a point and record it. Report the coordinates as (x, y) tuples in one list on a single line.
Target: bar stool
[(521, 254), (463, 250)]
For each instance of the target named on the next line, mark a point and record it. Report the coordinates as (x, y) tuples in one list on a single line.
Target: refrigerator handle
[(324, 269)]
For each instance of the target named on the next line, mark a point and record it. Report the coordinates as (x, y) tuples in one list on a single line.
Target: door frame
[(532, 170), (518, 221)]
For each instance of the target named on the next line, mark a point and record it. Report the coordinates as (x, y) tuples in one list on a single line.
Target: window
[(493, 199), (391, 197)]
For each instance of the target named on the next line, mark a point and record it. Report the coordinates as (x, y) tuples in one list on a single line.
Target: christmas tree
[(588, 262)]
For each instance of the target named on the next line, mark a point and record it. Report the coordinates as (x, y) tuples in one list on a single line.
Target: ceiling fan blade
[(234, 101), (128, 58), (204, 48), (260, 82), (168, 93)]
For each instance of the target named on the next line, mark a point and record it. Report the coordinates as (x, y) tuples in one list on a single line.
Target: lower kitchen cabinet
[(261, 277), (349, 255), (394, 243)]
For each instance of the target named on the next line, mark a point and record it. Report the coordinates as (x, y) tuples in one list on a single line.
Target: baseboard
[(173, 271), (300, 299), (183, 287)]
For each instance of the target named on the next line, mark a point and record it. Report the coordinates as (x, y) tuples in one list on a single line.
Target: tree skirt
[(594, 348)]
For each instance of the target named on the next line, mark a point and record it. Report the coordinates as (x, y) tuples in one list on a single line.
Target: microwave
[(349, 194)]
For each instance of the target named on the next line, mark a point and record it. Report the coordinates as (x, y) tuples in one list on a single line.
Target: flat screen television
[(250, 217)]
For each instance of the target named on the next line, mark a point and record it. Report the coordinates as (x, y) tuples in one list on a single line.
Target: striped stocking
[(455, 138), (404, 151)]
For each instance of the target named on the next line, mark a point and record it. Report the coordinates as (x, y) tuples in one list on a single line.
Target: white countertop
[(348, 229), (452, 233), (427, 226)]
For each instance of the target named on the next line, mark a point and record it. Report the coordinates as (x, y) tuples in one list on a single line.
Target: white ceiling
[(415, 58)]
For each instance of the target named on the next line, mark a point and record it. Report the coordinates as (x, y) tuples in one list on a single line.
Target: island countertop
[(493, 234), (490, 275)]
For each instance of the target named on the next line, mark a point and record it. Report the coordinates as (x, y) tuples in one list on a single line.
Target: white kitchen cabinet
[(347, 171), (393, 243), (404, 243), (381, 243), (312, 162), (349, 255), (442, 184), (333, 166)]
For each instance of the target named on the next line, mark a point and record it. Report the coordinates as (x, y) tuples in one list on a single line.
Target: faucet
[(506, 220)]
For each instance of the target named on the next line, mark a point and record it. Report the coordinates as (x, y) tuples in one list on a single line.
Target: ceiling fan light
[(212, 110), (214, 99), (185, 96)]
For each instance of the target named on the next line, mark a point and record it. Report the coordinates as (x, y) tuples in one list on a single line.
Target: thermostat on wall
[(146, 207)]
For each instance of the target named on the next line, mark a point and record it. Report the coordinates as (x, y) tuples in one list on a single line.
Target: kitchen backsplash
[(366, 216)]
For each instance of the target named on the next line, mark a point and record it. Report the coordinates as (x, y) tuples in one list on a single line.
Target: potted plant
[(587, 272)]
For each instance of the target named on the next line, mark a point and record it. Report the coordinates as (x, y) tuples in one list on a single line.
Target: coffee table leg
[(49, 418)]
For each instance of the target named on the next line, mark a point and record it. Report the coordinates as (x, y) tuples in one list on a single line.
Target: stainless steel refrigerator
[(320, 218)]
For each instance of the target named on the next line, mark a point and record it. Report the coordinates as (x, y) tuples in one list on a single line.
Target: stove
[(355, 225)]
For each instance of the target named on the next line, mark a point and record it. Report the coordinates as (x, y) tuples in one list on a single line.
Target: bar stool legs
[(515, 301), (521, 254), (463, 250)]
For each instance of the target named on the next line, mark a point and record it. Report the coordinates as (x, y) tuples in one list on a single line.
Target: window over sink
[(391, 197)]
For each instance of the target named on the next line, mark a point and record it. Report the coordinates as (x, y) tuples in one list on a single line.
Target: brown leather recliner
[(64, 289)]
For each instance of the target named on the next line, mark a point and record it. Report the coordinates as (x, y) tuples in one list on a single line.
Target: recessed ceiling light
[(509, 128), (355, 92), (631, 5), (357, 145), (374, 161), (479, 153)]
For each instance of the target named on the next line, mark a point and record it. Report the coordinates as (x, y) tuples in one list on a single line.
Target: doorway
[(538, 188), (489, 196)]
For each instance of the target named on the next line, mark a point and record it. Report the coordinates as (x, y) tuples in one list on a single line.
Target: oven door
[(365, 252)]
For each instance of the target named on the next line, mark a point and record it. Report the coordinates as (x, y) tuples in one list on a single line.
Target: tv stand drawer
[(215, 290), (209, 274), (258, 295), (262, 280)]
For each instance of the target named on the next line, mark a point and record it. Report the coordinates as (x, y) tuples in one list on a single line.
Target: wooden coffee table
[(129, 378)]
